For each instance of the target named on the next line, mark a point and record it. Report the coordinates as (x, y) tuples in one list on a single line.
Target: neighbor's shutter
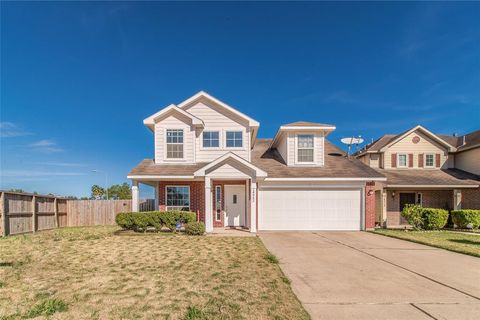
[(394, 160), (437, 160), (420, 160), (410, 160)]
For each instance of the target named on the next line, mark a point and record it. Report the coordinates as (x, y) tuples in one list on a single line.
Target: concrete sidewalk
[(359, 275)]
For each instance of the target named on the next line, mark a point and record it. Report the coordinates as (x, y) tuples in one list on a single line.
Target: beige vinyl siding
[(425, 146), (227, 170), (374, 160), (318, 142), (283, 148), (215, 119), (468, 161), (365, 159), (174, 122)]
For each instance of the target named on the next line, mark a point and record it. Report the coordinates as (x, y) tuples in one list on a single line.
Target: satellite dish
[(352, 141)]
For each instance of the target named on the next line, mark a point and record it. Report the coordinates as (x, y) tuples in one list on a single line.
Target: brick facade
[(430, 199), (197, 196), (471, 198), (370, 205)]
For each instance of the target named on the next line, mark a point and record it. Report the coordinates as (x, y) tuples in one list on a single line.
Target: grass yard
[(453, 241), (90, 273)]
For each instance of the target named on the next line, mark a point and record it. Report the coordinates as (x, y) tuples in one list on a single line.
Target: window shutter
[(394, 160), (420, 160), (410, 160), (437, 160)]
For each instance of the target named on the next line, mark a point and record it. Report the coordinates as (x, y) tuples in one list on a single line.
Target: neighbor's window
[(211, 139), (218, 203), (174, 144), (178, 198), (305, 148), (234, 139), (402, 160), (419, 198), (429, 160)]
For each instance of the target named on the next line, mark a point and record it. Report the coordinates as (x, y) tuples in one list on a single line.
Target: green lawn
[(91, 273), (453, 241)]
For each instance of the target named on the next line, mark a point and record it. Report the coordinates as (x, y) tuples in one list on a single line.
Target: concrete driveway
[(359, 275)]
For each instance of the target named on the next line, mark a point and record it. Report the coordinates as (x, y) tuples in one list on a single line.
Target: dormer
[(302, 143)]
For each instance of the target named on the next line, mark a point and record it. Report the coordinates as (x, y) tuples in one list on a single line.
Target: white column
[(156, 197), (135, 196), (457, 199), (208, 206), (384, 208), (253, 205)]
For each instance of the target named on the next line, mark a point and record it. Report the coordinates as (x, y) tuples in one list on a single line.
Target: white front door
[(234, 205)]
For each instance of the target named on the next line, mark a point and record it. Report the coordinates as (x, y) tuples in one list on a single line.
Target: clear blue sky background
[(77, 79)]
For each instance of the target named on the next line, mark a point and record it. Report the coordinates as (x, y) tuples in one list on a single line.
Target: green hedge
[(462, 218), (156, 219), (195, 228), (425, 218)]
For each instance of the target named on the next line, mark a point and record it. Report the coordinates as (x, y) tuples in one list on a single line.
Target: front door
[(235, 205)]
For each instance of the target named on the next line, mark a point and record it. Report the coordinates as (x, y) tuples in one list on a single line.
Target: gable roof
[(150, 121), (426, 132), (308, 124), (302, 125), (230, 156), (469, 141), (202, 94), (430, 178)]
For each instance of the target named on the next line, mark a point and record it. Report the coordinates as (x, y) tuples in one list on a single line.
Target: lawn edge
[(426, 244)]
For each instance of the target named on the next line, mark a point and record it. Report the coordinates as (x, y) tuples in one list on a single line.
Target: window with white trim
[(178, 198), (429, 160), (402, 160), (211, 139), (419, 198), (234, 139), (218, 203), (305, 148), (174, 143)]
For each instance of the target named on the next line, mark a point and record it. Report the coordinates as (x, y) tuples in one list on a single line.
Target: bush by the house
[(462, 218), (195, 228), (156, 219), (425, 218)]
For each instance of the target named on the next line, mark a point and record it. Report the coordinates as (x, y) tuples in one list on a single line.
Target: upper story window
[(178, 198), (305, 148), (234, 139), (211, 139), (429, 160), (402, 160), (174, 144)]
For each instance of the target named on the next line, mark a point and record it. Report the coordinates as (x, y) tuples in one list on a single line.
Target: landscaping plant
[(425, 218), (195, 228), (156, 219), (462, 218)]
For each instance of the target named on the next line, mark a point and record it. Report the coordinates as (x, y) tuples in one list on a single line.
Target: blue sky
[(77, 79)]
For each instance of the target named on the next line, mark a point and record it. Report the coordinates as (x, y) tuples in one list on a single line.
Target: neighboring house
[(438, 171), (208, 160)]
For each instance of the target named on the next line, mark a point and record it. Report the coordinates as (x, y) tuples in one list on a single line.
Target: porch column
[(457, 199), (208, 205), (384, 208), (253, 205), (135, 196), (156, 208)]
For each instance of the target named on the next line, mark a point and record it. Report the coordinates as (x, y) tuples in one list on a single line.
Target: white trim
[(151, 120), (419, 127), (216, 200), (178, 185), (327, 179), (314, 161), (233, 156), (307, 128), (398, 159), (433, 186), (251, 122), (425, 160), (139, 177), (421, 198)]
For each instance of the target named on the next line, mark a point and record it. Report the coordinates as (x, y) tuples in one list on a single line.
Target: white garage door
[(294, 209)]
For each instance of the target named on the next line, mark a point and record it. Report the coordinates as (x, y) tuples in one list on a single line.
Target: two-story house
[(208, 160), (421, 167)]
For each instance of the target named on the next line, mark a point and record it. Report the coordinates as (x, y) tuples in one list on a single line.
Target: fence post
[(34, 213), (55, 209), (4, 215)]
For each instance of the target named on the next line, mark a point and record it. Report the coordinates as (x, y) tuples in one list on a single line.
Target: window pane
[(402, 160), (429, 160), (234, 139), (305, 141), (211, 139), (305, 155), (174, 143), (178, 198)]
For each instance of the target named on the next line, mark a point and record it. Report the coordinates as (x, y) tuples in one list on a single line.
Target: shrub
[(195, 228), (434, 219), (463, 217), (413, 214), (156, 219), (271, 258), (425, 218)]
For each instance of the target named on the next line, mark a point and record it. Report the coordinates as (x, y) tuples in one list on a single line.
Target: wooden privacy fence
[(26, 212)]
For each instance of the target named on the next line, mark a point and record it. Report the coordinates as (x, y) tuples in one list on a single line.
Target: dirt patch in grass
[(90, 273), (453, 241)]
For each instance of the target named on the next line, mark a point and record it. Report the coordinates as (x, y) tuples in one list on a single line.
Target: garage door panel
[(293, 209)]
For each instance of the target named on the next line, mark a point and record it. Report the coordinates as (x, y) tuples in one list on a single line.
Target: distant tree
[(97, 192), (71, 197), (84, 198), (120, 192), (17, 190)]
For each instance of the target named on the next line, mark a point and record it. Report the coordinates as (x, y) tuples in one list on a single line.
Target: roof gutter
[(426, 186), (327, 179)]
